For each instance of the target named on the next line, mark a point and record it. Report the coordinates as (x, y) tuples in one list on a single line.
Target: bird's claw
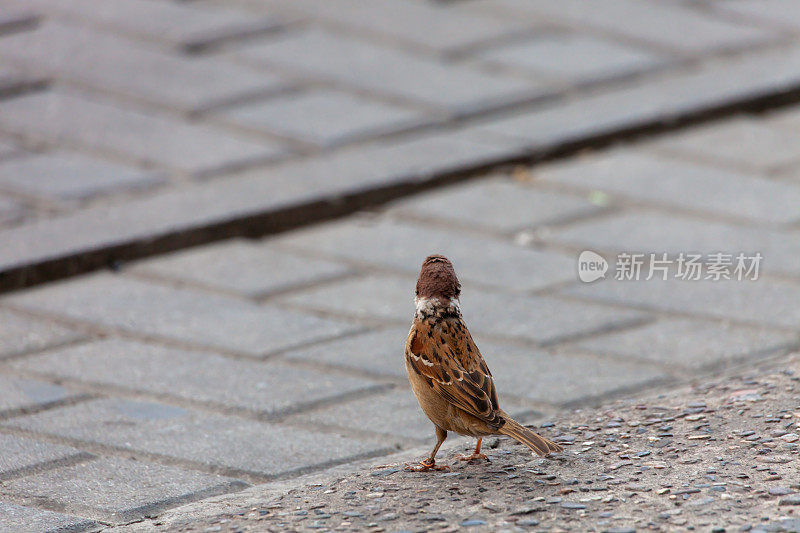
[(425, 466)]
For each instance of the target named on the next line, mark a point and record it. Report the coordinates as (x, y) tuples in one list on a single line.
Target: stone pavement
[(144, 126)]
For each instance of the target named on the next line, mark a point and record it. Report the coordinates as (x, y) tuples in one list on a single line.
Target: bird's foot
[(473, 457), (425, 466)]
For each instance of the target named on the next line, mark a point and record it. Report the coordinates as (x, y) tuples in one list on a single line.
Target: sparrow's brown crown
[(437, 279)]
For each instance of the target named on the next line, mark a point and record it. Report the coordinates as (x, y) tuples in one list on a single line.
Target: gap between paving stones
[(255, 223)]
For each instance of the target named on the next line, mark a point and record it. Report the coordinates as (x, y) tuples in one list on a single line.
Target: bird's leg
[(475, 455), (430, 462)]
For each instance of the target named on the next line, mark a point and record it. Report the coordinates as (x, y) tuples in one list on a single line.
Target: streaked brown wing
[(451, 363)]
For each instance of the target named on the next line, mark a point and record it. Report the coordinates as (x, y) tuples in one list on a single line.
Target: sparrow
[(448, 374)]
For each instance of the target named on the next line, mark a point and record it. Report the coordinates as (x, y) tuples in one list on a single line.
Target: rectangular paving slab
[(455, 88), (403, 246), (766, 302), (186, 26), (21, 333), (665, 180), (267, 388), (11, 211), (120, 490), (324, 118), (21, 394), (690, 343), (565, 377), (252, 268), (571, 57), (772, 12), (672, 25), (21, 456), (541, 319), (188, 315), (68, 119), (123, 67), (429, 26), (378, 351), (64, 175), (228, 443), (30, 520), (743, 143), (497, 205)]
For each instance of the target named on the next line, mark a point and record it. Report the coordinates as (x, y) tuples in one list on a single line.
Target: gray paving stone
[(552, 378), (7, 149), (378, 351), (668, 24), (11, 211), (788, 117), (67, 119), (679, 183), (70, 176), (645, 232), (658, 99), (395, 413), (539, 319), (225, 199), (572, 57), (268, 388), (745, 143), (29, 520), (764, 302), (183, 314), (372, 297), (260, 267), (20, 334), (401, 246), (21, 456), (324, 117), (690, 343), (212, 440), (117, 65), (20, 394), (183, 25), (120, 490), (423, 25), (497, 205), (774, 12), (459, 89)]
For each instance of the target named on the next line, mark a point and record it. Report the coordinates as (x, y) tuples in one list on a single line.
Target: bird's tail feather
[(520, 433)]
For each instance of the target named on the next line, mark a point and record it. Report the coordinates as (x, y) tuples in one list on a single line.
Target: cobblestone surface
[(178, 377)]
